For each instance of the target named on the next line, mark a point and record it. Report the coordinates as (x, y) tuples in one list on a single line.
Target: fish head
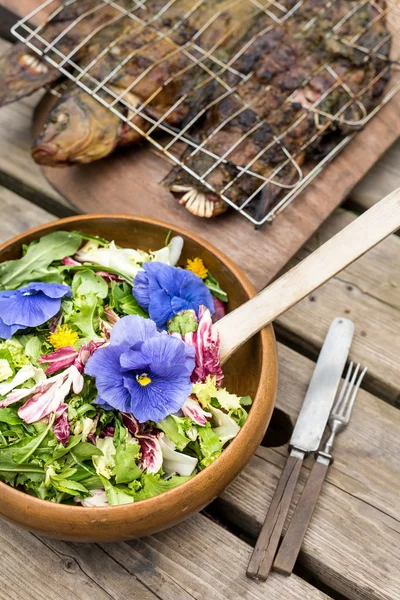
[(79, 129), (22, 72)]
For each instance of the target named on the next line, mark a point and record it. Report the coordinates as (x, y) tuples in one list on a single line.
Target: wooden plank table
[(352, 548)]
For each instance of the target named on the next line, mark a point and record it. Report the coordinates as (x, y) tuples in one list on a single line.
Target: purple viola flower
[(142, 371), (30, 306), (165, 291)]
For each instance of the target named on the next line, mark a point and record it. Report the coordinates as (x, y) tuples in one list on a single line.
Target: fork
[(338, 421)]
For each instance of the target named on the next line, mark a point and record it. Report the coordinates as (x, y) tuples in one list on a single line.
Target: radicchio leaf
[(206, 343), (61, 428)]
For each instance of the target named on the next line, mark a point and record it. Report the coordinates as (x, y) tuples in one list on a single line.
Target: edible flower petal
[(142, 371), (197, 267), (165, 291), (63, 337), (30, 306)]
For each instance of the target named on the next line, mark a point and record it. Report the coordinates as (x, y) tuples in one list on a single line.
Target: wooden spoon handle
[(345, 247)]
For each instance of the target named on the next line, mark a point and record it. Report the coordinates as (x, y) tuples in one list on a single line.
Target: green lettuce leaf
[(39, 255), (125, 468), (174, 427), (116, 495), (153, 485), (83, 317), (122, 300), (210, 445), (86, 282)]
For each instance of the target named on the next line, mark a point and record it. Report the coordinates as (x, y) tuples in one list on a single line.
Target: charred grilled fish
[(160, 73), (256, 139)]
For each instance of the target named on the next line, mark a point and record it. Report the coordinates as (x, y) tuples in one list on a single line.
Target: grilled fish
[(256, 140), (22, 71), (160, 74)]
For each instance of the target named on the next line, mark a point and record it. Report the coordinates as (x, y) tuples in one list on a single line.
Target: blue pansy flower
[(165, 291), (30, 306), (142, 371)]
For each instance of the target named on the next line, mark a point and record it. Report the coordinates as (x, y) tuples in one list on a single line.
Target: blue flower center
[(143, 379)]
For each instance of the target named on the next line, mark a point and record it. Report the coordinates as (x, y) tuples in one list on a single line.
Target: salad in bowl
[(111, 390)]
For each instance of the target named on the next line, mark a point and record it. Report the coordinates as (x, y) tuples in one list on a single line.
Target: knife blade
[(318, 402), (306, 438)]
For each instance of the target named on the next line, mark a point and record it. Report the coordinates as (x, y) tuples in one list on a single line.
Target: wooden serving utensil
[(345, 247)]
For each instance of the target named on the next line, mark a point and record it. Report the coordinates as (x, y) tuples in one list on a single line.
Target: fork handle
[(264, 552), (291, 544)]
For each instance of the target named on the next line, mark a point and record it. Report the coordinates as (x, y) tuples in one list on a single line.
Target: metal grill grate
[(190, 85)]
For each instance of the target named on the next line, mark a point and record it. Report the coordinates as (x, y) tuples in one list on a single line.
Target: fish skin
[(77, 130), (281, 60), (23, 71)]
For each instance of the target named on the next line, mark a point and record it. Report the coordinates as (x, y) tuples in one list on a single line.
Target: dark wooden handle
[(268, 540), (291, 544)]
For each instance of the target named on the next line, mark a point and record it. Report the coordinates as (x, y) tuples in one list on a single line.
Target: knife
[(306, 438)]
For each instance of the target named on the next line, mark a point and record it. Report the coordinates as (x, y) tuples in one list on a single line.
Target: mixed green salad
[(110, 382)]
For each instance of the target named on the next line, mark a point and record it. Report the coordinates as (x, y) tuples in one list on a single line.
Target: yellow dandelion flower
[(197, 267), (63, 336)]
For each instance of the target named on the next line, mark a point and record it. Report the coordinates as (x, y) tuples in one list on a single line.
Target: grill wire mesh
[(202, 69)]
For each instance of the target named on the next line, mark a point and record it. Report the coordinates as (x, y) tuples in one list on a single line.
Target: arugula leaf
[(215, 288), (39, 255), (125, 468), (22, 455), (9, 415), (10, 466), (122, 300), (61, 451), (67, 486), (84, 451)]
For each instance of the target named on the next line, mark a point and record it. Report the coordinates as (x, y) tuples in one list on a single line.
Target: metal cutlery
[(338, 421), (306, 438)]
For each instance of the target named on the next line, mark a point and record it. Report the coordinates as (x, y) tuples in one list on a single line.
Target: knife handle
[(291, 544), (264, 552)]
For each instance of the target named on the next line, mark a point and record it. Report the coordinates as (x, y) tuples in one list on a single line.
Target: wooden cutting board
[(130, 181)]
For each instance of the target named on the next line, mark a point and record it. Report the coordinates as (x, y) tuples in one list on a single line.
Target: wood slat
[(18, 215), (353, 543), (383, 178), (366, 292), (31, 569), (197, 559), (16, 141)]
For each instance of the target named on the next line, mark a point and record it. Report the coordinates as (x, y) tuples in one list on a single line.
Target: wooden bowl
[(252, 370)]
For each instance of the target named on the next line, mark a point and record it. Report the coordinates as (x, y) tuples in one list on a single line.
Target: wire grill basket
[(205, 83)]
